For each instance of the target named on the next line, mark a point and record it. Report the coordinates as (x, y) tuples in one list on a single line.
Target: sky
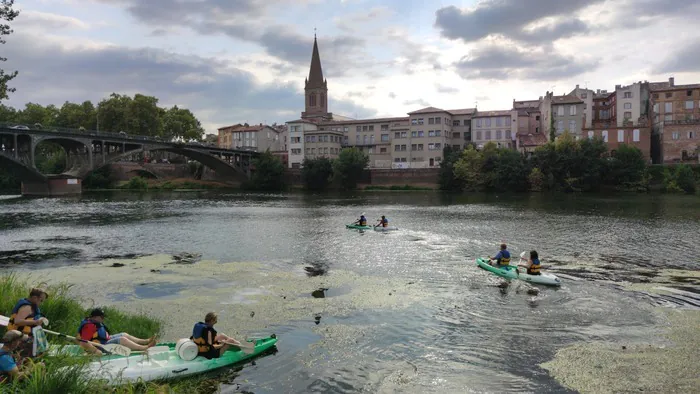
[(236, 61)]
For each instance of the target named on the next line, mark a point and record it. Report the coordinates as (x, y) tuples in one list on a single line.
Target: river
[(404, 311)]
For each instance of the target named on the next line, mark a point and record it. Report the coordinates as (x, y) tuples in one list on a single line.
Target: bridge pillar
[(53, 187)]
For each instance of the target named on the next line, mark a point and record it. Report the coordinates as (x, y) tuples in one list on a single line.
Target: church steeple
[(316, 89)]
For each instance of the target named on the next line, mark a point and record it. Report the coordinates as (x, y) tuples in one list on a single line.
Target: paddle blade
[(120, 350)]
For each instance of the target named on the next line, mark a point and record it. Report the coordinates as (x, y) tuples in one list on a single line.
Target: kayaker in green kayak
[(362, 221), (211, 344), (502, 258), (93, 329)]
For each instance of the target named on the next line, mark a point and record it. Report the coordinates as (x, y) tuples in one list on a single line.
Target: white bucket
[(186, 349)]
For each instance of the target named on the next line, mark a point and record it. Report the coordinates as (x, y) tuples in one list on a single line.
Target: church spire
[(315, 72)]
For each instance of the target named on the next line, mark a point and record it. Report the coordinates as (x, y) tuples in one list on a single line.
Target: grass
[(65, 374), (399, 188)]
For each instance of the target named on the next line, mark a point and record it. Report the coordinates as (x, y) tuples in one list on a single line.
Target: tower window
[(312, 100)]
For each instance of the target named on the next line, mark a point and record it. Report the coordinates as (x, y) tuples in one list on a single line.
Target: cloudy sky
[(245, 60)]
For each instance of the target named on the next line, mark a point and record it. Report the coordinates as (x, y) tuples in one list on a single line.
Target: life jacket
[(534, 269), (36, 315), (363, 221), (505, 258), (200, 334), (385, 222), (3, 375), (101, 335)]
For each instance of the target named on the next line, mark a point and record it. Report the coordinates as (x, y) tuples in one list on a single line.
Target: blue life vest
[(200, 336), (504, 258), (100, 336), (363, 221), (36, 315)]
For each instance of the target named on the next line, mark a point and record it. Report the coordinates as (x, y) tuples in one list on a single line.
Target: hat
[(12, 336), (97, 312)]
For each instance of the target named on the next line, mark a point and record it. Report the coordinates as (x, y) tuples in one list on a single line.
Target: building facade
[(498, 127), (257, 138), (676, 121)]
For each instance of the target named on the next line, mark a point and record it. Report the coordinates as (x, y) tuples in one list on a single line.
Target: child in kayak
[(212, 344), (93, 329), (533, 264), (503, 257), (362, 221)]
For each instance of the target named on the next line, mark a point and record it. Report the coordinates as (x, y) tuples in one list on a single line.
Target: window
[(357, 139), (308, 151), (455, 135), (572, 110), (537, 117), (313, 151), (621, 136), (628, 105), (346, 129), (438, 146), (382, 150), (487, 135), (420, 120), (437, 133), (605, 136), (689, 104), (431, 133), (414, 121), (572, 126), (590, 135), (628, 95), (691, 135), (669, 95), (478, 123), (508, 135), (420, 147), (404, 134), (455, 123), (385, 137), (635, 135), (487, 122), (656, 108), (668, 118), (560, 110), (499, 122), (385, 127), (560, 126), (414, 134), (431, 120), (296, 140), (364, 139), (312, 100), (656, 95), (431, 146), (676, 135), (364, 128), (397, 148), (358, 128), (499, 134), (397, 135), (478, 135), (371, 127), (414, 147), (628, 115), (467, 122), (296, 151), (689, 93), (403, 148), (421, 134)]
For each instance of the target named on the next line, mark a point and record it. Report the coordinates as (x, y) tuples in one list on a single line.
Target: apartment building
[(529, 132), (676, 121), (498, 127), (632, 104), (586, 95), (297, 129), (257, 138), (567, 113)]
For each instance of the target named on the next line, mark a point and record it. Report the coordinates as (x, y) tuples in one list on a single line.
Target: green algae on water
[(605, 368)]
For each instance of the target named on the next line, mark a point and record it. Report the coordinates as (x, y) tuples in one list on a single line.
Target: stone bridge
[(87, 151)]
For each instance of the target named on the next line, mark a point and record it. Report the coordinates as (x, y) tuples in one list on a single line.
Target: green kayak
[(512, 272), (358, 227), (168, 364)]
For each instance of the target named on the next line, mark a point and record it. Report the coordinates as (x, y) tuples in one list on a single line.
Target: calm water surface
[(470, 336)]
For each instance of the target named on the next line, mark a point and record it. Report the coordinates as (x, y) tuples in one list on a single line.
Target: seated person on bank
[(212, 344), (503, 257), (26, 315), (93, 329), (12, 341)]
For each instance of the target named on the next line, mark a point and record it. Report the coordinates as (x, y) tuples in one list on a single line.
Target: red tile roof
[(530, 139)]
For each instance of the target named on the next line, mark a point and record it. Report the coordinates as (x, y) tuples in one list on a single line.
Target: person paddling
[(503, 257), (210, 343), (384, 222), (533, 264), (93, 329), (362, 221)]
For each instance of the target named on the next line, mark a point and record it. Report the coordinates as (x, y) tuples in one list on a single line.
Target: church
[(413, 141)]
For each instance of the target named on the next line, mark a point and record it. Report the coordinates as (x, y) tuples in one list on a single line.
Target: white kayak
[(388, 228), (168, 364)]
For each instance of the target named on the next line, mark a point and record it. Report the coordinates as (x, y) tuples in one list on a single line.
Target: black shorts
[(211, 353)]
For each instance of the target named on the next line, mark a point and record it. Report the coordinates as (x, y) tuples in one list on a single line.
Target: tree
[(33, 114), (552, 130), (269, 173), (349, 166), (113, 113), (180, 123), (511, 172), (317, 173), (6, 14), (144, 116), (7, 114), (75, 116), (468, 168), (627, 166), (685, 179), (448, 180)]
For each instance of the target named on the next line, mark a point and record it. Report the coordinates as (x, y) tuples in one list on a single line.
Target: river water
[(405, 311)]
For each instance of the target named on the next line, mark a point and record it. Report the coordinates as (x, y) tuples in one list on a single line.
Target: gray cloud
[(446, 89), (419, 102), (217, 93), (686, 59), (392, 95), (510, 18), (505, 62)]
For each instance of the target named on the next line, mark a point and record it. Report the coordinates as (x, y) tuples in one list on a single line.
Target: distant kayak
[(358, 227), (509, 272)]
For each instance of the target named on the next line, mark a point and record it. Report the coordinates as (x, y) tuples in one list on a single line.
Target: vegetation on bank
[(268, 174), (564, 165), (398, 188), (344, 173)]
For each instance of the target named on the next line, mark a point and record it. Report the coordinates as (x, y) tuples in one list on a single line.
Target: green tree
[(268, 174), (536, 180), (511, 171), (144, 116), (113, 113), (448, 180), (7, 14), (75, 116), (180, 123), (349, 167), (468, 169), (317, 173), (7, 114), (33, 114), (685, 179), (627, 166), (552, 130)]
